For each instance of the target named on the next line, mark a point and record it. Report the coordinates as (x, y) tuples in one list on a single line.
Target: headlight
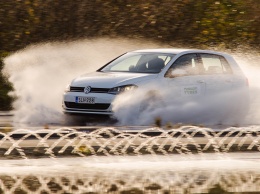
[(121, 89), (67, 89)]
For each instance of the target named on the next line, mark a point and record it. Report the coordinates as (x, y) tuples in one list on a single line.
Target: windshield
[(139, 63)]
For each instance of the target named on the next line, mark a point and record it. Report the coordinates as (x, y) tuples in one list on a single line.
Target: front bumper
[(102, 104), (69, 111)]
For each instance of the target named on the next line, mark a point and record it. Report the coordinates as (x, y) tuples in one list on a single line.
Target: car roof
[(177, 51), (164, 50)]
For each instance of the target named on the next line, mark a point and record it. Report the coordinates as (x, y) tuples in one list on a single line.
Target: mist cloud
[(228, 108), (40, 73)]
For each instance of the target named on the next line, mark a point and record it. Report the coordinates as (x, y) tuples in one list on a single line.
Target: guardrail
[(4, 113)]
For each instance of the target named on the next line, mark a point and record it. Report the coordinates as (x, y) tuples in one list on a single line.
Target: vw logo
[(87, 89)]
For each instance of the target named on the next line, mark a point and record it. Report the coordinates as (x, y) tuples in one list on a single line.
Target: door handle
[(200, 81)]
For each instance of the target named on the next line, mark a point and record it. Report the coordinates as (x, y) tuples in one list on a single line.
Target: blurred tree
[(225, 21), (5, 87), (191, 23)]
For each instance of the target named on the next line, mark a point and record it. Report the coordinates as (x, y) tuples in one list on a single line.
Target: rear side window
[(214, 64)]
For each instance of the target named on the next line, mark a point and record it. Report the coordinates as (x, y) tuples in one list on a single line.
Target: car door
[(218, 75), (184, 77)]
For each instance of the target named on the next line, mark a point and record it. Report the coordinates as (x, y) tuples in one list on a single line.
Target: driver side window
[(184, 66)]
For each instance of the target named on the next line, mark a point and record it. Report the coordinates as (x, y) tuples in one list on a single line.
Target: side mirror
[(132, 68)]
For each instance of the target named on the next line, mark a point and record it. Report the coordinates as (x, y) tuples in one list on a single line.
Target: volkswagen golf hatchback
[(187, 73)]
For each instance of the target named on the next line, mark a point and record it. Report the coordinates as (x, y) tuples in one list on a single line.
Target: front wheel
[(87, 120), (151, 102)]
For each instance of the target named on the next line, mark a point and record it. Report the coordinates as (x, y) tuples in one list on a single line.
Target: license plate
[(85, 100)]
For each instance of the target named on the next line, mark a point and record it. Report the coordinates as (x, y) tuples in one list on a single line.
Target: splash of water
[(167, 174), (40, 73), (230, 108), (186, 140), (249, 62)]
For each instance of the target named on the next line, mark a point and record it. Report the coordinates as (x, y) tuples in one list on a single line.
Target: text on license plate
[(86, 100)]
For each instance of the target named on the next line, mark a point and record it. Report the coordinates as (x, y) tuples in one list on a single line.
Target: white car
[(192, 73)]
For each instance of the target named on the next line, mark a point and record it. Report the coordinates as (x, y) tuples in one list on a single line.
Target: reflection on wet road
[(84, 159), (127, 174)]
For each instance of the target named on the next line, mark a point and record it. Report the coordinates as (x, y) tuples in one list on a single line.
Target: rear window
[(214, 64)]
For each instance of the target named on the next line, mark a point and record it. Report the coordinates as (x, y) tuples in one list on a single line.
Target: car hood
[(110, 79)]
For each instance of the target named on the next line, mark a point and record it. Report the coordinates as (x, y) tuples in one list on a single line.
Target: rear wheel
[(237, 109)]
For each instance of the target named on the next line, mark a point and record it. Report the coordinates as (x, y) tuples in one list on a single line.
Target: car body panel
[(187, 86), (183, 86)]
